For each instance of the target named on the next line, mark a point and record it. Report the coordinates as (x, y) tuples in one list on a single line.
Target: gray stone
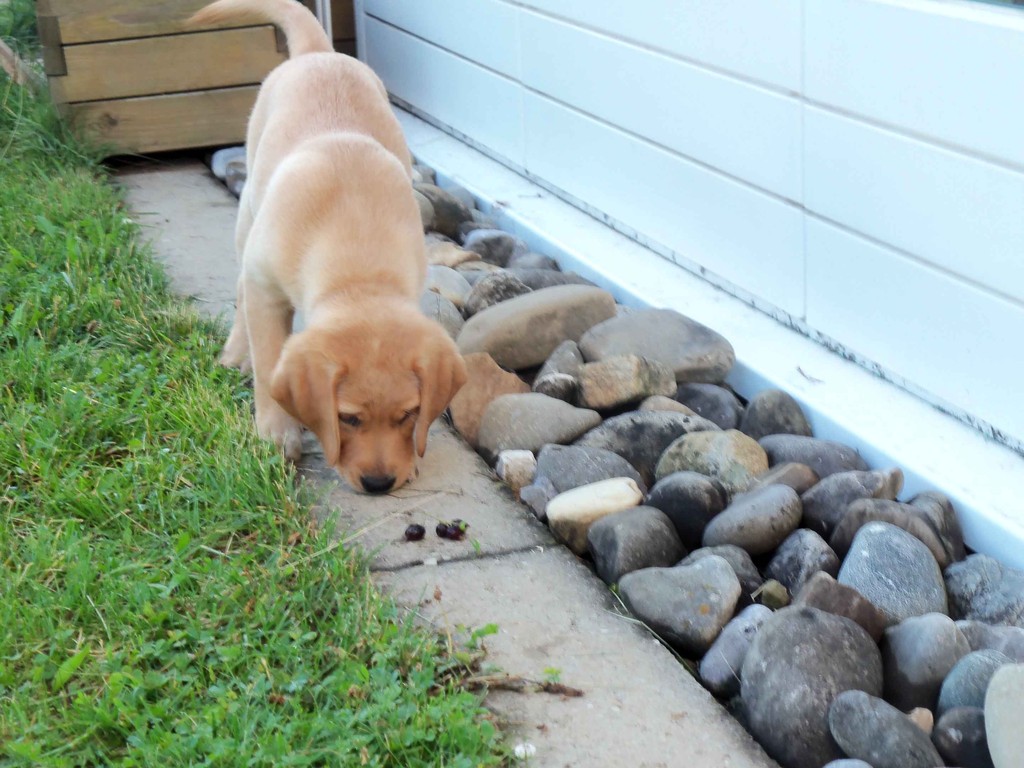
[(480, 221), (687, 605), (774, 412), (730, 457), (868, 728), (1004, 713), (548, 278), (494, 246), (937, 510), (492, 289), (235, 174), (739, 561), (448, 283), (522, 332), (219, 160), (713, 402), (617, 381), (756, 522), (847, 762), (560, 386), (917, 654), (640, 437), (572, 513), (423, 174), (565, 358), (826, 503), (463, 195), (996, 637), (537, 495), (690, 500), (720, 668), (803, 554), (825, 457), (823, 592), (693, 351), (641, 537), (532, 261), (800, 660), (863, 511), (894, 571), (983, 589), (449, 211), (799, 477), (529, 422), (967, 682), (443, 312), (960, 738), (570, 466)]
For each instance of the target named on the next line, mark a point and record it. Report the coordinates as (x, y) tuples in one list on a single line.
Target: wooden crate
[(132, 76)]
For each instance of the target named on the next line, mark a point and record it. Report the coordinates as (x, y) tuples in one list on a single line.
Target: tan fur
[(328, 226)]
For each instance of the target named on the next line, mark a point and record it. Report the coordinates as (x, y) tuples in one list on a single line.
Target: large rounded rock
[(640, 437), (773, 412), (570, 466), (616, 381), (803, 554), (981, 588), (721, 665), (894, 571), (490, 290), (968, 680), (529, 422), (485, 382), (960, 738), (713, 402), (826, 503), (570, 514), (730, 457), (801, 659), (740, 562), (693, 351), (872, 730), (825, 457), (687, 605), (641, 537), (758, 521), (690, 500), (905, 516), (522, 332), (1004, 713), (917, 654)]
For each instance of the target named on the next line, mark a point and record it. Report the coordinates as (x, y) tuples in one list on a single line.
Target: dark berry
[(415, 532), (442, 530)]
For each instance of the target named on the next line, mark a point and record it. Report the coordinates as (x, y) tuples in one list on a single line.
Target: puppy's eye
[(409, 415), (350, 420)]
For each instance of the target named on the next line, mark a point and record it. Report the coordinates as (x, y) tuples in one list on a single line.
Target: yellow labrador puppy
[(328, 226)]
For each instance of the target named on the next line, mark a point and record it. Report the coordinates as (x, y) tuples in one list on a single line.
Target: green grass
[(163, 598)]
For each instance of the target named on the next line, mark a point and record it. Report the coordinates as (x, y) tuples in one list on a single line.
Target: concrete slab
[(453, 483), (190, 218), (640, 707)]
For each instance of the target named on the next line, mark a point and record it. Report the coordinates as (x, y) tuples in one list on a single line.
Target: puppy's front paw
[(285, 431), (235, 356)]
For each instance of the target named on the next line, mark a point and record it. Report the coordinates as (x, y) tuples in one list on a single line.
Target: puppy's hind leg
[(236, 349)]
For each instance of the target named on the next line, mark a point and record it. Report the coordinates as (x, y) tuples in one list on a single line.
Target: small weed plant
[(161, 596)]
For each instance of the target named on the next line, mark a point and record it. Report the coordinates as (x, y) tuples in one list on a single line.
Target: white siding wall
[(857, 165)]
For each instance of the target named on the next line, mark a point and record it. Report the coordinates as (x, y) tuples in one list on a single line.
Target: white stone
[(219, 160), (570, 514), (516, 468), (1004, 713)]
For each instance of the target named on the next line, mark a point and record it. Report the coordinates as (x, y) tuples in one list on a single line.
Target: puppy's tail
[(301, 29)]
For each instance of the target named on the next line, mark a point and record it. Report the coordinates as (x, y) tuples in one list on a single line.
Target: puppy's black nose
[(377, 483)]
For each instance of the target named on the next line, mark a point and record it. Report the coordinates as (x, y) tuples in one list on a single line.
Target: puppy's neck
[(345, 306)]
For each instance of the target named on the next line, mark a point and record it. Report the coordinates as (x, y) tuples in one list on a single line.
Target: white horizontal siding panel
[(750, 239), (949, 70), (962, 214), (483, 31), (759, 40), (951, 339), (747, 131), (460, 94)]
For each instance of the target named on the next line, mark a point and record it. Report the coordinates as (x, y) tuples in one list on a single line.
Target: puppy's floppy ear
[(441, 372), (305, 382)]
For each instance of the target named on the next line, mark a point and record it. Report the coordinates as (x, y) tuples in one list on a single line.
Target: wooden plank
[(343, 20), (161, 123), (85, 21), (167, 64)]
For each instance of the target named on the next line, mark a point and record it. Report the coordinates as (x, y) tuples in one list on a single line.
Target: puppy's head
[(370, 391)]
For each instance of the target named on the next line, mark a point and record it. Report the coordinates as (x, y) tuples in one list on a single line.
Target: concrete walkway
[(640, 707)]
